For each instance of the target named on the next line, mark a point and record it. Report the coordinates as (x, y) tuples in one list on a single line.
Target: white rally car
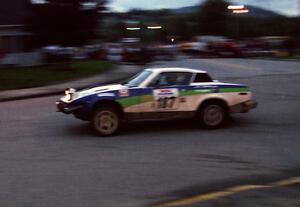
[(161, 93)]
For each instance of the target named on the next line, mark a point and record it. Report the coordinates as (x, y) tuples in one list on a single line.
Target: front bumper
[(244, 107), (65, 108)]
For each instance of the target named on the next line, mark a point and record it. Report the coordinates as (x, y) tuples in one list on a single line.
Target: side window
[(172, 79), (202, 77)]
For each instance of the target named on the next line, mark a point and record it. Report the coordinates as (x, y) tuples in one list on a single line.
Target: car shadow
[(154, 126), (79, 130), (162, 126), (168, 126)]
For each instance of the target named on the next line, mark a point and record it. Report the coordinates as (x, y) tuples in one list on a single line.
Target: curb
[(57, 92), (29, 96), (113, 76)]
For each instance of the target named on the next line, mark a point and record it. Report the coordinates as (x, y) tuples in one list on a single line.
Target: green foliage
[(15, 78), (210, 18), (65, 22), (213, 17), (250, 26)]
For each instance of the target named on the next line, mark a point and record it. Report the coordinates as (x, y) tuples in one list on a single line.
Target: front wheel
[(106, 121), (213, 115)]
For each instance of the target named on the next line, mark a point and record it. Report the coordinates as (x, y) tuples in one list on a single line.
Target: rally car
[(158, 93)]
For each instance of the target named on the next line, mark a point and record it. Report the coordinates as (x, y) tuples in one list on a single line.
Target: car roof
[(176, 69)]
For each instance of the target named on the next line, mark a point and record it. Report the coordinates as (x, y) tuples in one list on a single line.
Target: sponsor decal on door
[(166, 99)]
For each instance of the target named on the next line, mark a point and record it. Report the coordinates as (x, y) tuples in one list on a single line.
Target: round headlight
[(68, 96), (67, 92)]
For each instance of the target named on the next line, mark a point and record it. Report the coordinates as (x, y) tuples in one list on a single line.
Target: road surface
[(51, 159)]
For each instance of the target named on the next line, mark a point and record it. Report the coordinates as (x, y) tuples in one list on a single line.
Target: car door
[(163, 94)]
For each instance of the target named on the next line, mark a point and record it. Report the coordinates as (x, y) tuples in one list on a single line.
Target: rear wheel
[(106, 121), (213, 115)]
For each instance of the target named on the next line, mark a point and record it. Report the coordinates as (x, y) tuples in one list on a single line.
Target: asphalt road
[(51, 159)]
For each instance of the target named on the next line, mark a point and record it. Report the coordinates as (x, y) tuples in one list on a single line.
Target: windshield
[(138, 79)]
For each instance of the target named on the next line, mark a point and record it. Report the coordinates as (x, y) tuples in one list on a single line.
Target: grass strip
[(27, 77)]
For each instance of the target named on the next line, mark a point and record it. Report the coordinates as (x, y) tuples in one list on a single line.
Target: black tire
[(213, 115), (106, 121)]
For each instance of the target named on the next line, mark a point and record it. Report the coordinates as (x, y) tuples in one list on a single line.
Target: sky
[(287, 7)]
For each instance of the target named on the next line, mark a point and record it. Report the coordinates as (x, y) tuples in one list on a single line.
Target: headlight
[(68, 97), (69, 93), (70, 90)]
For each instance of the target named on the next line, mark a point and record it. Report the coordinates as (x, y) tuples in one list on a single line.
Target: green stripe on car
[(231, 90), (195, 92), (130, 101)]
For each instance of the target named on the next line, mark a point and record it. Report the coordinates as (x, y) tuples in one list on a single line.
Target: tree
[(66, 22), (213, 17)]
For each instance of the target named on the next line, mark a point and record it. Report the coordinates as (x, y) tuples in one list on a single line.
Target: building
[(13, 17)]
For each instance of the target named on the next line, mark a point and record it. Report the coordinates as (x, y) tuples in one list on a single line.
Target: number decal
[(166, 99), (166, 102)]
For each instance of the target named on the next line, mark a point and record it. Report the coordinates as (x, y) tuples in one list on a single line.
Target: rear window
[(202, 77)]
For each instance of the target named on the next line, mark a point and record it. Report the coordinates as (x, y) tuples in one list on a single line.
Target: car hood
[(100, 89), (107, 90)]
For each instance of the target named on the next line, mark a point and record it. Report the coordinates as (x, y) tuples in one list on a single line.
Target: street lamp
[(238, 9), (232, 7), (154, 27), (133, 28)]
